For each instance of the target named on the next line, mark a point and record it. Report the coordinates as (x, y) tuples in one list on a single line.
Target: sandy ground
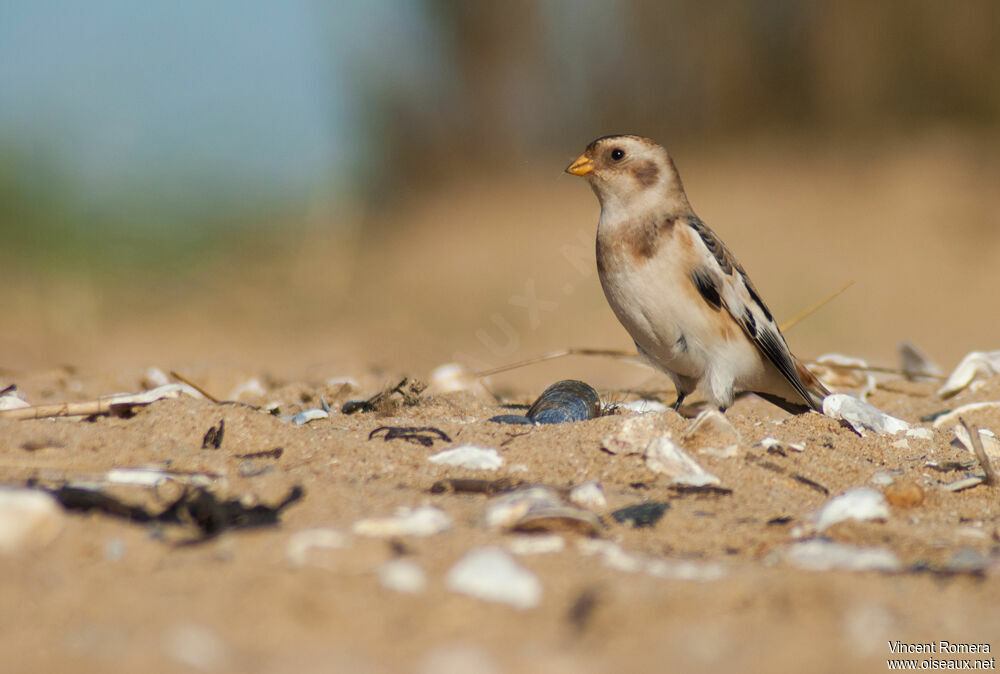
[(459, 279)]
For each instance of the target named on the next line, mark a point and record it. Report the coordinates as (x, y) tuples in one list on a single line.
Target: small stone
[(859, 503), (588, 495), (421, 521), (860, 415), (469, 456), (904, 494), (823, 555), (29, 520), (493, 575), (402, 575), (664, 456), (642, 514)]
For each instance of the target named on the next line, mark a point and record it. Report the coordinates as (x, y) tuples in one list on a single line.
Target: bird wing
[(723, 284)]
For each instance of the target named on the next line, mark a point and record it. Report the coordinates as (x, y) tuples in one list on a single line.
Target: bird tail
[(812, 386)]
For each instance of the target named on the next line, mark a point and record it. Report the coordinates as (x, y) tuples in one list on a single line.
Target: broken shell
[(301, 542), (644, 406), (29, 519), (559, 519), (641, 514), (634, 434), (915, 363), (251, 388), (492, 574), (469, 456), (987, 437), (859, 503), (839, 371), (402, 575), (861, 415), (965, 483), (504, 511), (536, 545), (588, 495), (952, 416), (422, 521), (782, 446), (975, 365), (664, 456), (305, 416), (12, 401), (821, 555), (711, 430)]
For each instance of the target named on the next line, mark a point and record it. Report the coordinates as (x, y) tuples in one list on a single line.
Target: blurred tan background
[(327, 189)]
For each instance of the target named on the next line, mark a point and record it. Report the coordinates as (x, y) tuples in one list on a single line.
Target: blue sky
[(168, 97)]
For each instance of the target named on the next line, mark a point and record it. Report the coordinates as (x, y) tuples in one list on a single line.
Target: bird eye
[(617, 154)]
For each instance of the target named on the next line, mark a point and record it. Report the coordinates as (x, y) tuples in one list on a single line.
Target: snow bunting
[(685, 300)]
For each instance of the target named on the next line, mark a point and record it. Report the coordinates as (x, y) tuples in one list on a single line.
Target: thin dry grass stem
[(185, 380), (803, 314), (78, 409), (614, 353), (977, 449)]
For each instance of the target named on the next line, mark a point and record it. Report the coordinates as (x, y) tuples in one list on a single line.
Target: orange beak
[(582, 166)]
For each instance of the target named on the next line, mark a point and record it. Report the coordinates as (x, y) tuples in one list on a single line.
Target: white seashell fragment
[(964, 483), (302, 542), (822, 555), (987, 437), (452, 377), (611, 554), (633, 435), (683, 569), (469, 456), (588, 495), (952, 417), (402, 575), (664, 456), (711, 430), (154, 377), (644, 406), (12, 401), (839, 371), (915, 363), (859, 503), (305, 416), (492, 574), (920, 433), (861, 415), (251, 388), (505, 510), (536, 545), (781, 445), (29, 519), (151, 396), (975, 365), (421, 521), (883, 479)]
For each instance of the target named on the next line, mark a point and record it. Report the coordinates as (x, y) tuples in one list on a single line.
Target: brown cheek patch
[(645, 237), (646, 173)]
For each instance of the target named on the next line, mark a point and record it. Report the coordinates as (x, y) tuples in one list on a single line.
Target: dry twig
[(977, 449)]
